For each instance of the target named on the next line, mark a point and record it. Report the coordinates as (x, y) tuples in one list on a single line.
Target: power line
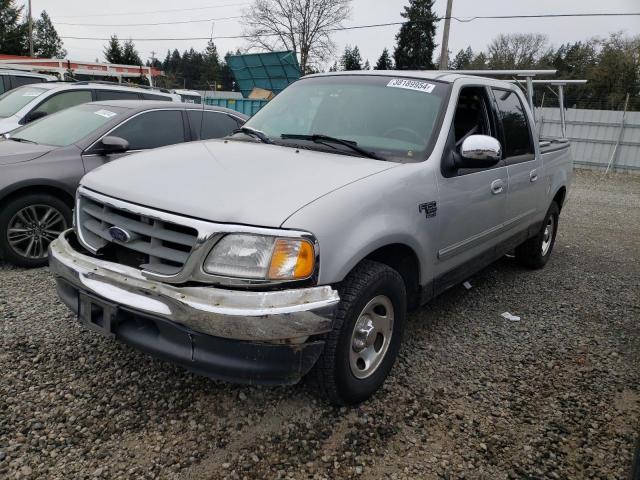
[(146, 24), (153, 11), (376, 25)]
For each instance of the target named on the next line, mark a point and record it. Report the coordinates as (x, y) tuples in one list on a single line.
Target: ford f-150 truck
[(295, 246)]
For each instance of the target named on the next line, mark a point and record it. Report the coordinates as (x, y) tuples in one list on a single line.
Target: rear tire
[(367, 332), (535, 252), (28, 224)]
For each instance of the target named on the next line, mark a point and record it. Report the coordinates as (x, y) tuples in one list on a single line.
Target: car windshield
[(393, 117), (68, 126), (15, 99)]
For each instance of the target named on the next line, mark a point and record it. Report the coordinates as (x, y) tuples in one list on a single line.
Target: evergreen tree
[(415, 41), (166, 62), (384, 62), (211, 65), (113, 50), (46, 42), (130, 55), (13, 32), (463, 59), (226, 77), (367, 65), (351, 59), (334, 67)]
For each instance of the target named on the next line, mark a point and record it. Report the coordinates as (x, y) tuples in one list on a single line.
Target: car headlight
[(261, 257)]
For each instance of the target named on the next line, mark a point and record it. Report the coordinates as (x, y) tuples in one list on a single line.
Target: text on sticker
[(105, 113), (417, 85)]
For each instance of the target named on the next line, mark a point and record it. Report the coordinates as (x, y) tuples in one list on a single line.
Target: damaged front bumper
[(246, 336)]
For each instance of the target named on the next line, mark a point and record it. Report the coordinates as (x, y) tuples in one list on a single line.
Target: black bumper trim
[(214, 357)]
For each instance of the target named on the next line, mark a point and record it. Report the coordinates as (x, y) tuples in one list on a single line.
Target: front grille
[(155, 244)]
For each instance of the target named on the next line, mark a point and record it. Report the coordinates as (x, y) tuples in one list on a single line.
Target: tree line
[(14, 33)]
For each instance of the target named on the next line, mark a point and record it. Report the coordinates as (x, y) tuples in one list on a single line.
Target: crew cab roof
[(441, 76)]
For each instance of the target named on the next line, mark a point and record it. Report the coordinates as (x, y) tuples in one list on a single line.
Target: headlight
[(261, 257)]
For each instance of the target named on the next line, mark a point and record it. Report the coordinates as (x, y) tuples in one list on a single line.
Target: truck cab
[(296, 246)]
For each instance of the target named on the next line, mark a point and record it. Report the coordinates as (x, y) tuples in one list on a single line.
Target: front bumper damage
[(234, 335)]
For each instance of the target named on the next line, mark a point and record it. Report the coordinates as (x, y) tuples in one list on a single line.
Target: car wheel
[(535, 252), (364, 343), (28, 225)]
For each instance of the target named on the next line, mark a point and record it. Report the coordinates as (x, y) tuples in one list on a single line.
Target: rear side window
[(3, 79), (514, 124), (152, 129), (64, 100), (116, 95), (214, 124), (150, 96), (20, 80)]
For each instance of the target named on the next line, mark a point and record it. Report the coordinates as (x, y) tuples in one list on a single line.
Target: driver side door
[(472, 202), (146, 130)]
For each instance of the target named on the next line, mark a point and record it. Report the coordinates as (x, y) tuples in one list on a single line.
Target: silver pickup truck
[(295, 246)]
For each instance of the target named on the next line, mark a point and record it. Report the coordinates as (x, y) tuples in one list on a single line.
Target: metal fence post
[(620, 133)]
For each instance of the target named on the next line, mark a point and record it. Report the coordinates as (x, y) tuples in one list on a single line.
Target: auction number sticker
[(409, 84), (105, 113)]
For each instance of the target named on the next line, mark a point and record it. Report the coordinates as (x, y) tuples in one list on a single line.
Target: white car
[(30, 102)]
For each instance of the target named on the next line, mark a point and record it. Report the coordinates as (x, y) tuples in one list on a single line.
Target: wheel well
[(404, 260), (559, 197), (54, 191)]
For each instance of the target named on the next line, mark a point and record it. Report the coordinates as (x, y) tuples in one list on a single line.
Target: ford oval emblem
[(119, 234)]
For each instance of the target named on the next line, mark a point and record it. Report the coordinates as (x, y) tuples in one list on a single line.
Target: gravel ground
[(555, 395)]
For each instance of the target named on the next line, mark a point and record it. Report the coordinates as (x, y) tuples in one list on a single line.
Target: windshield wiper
[(20, 139), (252, 132), (319, 138)]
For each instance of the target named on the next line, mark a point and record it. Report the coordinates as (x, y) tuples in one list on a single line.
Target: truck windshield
[(15, 99), (67, 126), (395, 118)]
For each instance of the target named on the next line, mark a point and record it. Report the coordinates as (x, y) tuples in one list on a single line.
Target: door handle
[(497, 186), (533, 175)]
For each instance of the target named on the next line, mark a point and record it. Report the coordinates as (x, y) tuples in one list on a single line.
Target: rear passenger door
[(523, 166), (116, 95), (213, 125)]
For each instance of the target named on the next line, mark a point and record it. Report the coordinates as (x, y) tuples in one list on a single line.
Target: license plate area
[(96, 314)]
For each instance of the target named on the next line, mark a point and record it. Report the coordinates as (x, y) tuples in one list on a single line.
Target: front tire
[(28, 224), (535, 252), (364, 343)]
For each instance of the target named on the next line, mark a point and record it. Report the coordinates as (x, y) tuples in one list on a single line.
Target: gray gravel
[(555, 395)]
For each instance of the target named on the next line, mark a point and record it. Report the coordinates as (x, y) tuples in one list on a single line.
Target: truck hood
[(16, 152), (229, 182)]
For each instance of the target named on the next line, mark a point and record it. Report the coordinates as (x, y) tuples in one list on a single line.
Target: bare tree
[(518, 50), (303, 26)]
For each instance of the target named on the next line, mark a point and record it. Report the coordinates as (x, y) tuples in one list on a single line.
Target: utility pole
[(30, 31), (444, 54)]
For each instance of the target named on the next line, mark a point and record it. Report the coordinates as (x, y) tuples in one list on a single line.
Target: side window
[(472, 115), (515, 125), (3, 79), (214, 124), (116, 95), (64, 100), (20, 80), (152, 129), (150, 96)]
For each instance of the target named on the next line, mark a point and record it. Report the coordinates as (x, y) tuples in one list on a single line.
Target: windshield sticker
[(105, 113), (31, 94), (416, 85)]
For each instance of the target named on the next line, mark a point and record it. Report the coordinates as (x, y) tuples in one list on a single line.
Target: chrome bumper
[(234, 314)]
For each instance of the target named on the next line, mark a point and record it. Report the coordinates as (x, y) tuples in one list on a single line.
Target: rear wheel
[(535, 252), (365, 340), (28, 225)]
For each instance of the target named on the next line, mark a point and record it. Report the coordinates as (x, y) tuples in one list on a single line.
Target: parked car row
[(295, 246), (42, 162)]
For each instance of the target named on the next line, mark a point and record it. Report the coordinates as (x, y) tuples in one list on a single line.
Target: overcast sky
[(371, 41)]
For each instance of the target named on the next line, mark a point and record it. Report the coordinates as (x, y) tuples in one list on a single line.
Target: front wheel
[(535, 252), (28, 225), (367, 333)]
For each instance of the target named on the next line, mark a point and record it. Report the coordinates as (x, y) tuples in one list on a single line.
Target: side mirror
[(35, 116), (479, 151), (111, 144)]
